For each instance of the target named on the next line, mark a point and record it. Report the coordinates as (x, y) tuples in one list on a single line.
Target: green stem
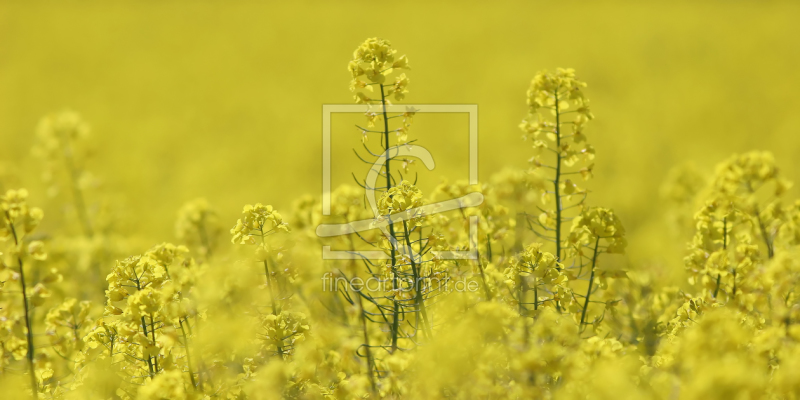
[(764, 235), (149, 359), (523, 288), (418, 299), (153, 334), (144, 329), (761, 227), (29, 334), (724, 247), (489, 247), (275, 310), (80, 204), (363, 318), (270, 286), (273, 303), (367, 347), (591, 281), (396, 312), (188, 354), (557, 180), (486, 291), (201, 230)]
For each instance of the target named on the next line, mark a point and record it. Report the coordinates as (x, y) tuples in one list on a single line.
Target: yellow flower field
[(508, 200)]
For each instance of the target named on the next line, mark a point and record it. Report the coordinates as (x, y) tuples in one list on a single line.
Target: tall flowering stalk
[(597, 230), (60, 145), (259, 222), (374, 62), (742, 220), (558, 113), (198, 226), (64, 150), (364, 300), (18, 221), (147, 305), (282, 327)]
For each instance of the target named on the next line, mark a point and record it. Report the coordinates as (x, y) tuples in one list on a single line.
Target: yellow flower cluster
[(552, 98), (375, 60), (594, 224), (18, 220), (61, 141), (259, 220), (402, 197)]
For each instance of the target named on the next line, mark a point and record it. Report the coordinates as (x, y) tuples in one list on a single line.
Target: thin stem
[(153, 334), (29, 334), (273, 302), (483, 278), (764, 235), (149, 359), (521, 296), (188, 354), (761, 227), (144, 328), (80, 204), (396, 312), (489, 247), (420, 303), (724, 247), (362, 314), (591, 281), (201, 230), (557, 180), (370, 362)]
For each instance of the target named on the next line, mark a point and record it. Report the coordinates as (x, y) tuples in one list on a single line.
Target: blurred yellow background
[(190, 99)]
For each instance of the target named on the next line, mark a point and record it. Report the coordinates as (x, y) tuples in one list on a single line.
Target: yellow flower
[(399, 88), (259, 220), (36, 250), (375, 60), (596, 224), (402, 197)]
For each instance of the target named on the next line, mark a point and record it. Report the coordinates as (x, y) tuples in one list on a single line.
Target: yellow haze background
[(190, 99)]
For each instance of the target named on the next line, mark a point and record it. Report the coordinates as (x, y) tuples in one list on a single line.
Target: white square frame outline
[(329, 109)]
